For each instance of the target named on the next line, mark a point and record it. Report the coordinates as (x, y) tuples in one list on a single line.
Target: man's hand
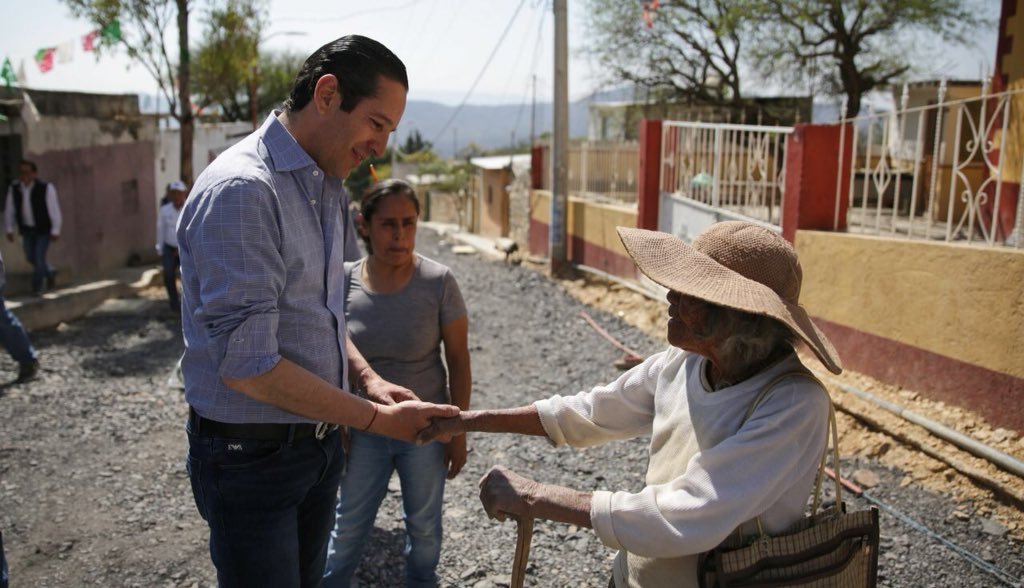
[(504, 492), (54, 238), (443, 430), (10, 237), (455, 453), (404, 419)]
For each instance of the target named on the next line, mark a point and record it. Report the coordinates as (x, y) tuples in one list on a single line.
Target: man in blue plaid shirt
[(268, 365)]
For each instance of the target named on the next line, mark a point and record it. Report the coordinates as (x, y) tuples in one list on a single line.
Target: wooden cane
[(524, 534)]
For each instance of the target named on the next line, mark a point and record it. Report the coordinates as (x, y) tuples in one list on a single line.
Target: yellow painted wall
[(540, 206), (593, 222), (959, 301)]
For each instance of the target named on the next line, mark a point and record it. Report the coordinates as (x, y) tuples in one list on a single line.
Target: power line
[(531, 82), (501, 39), (518, 54), (347, 16), (439, 36), (417, 41)]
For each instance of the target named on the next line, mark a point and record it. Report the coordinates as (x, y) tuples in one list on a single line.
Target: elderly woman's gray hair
[(750, 338)]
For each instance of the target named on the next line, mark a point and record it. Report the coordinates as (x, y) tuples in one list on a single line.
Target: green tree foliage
[(226, 62), (359, 179), (277, 71), (691, 50), (520, 147), (420, 157), (414, 143), (697, 48), (449, 176), (143, 26), (469, 151), (854, 46)]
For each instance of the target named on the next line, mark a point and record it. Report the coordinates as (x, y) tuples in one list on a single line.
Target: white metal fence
[(599, 170), (738, 168), (948, 170)]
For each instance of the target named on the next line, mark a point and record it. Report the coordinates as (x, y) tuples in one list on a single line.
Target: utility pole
[(560, 145), (533, 110)]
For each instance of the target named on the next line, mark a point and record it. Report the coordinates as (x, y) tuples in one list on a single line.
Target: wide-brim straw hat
[(740, 265)]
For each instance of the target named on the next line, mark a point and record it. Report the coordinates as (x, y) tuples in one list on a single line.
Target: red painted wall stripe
[(993, 395)]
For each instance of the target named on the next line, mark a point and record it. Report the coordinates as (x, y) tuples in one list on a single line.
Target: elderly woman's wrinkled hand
[(504, 492), (442, 429)]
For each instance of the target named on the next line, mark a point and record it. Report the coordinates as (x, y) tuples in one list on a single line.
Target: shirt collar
[(284, 150)]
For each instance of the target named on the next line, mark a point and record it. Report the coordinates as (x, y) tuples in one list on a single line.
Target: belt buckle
[(324, 429)]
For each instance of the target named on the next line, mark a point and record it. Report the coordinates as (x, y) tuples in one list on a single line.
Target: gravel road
[(93, 490)]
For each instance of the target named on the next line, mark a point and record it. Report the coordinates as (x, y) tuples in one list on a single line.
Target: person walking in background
[(400, 307), (167, 239), (32, 206), (14, 338), (268, 363)]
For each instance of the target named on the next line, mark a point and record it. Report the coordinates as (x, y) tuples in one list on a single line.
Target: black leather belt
[(257, 431)]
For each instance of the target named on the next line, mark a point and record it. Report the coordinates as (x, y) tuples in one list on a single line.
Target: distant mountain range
[(502, 125), (489, 127)]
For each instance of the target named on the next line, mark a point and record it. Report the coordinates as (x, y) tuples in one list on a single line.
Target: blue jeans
[(13, 335), (36, 245), (422, 472), (4, 575), (169, 260), (268, 505)]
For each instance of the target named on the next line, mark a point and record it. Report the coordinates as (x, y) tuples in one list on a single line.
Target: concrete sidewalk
[(483, 245), (74, 301)]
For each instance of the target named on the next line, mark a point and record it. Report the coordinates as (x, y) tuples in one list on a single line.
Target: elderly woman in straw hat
[(733, 320)]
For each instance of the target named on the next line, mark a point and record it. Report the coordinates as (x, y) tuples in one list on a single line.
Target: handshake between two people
[(503, 492)]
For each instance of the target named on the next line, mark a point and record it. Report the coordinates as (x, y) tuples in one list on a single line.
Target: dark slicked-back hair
[(31, 165), (356, 61)]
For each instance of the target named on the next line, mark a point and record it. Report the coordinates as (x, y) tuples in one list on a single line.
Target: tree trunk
[(184, 94), (853, 88), (854, 85)]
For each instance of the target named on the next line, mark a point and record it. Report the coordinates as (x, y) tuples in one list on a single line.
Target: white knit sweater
[(704, 477)]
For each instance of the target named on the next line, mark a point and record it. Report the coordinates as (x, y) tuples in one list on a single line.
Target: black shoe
[(27, 371), (51, 280)]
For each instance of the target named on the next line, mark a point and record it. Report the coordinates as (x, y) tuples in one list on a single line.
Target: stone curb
[(67, 304)]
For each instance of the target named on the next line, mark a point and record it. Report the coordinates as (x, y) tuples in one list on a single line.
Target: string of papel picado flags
[(63, 53)]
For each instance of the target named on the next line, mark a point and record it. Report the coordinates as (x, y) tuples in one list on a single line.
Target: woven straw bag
[(828, 548)]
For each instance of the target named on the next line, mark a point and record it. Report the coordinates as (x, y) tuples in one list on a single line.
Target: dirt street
[(93, 490)]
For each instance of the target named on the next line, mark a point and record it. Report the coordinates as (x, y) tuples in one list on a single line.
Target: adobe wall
[(492, 202), (106, 203)]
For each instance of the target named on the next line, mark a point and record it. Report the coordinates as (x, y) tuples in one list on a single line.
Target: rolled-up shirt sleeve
[(622, 409), (234, 240)]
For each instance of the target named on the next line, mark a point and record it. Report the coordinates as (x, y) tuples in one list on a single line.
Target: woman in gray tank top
[(400, 307)]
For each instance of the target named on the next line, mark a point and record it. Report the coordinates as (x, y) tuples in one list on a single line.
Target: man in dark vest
[(32, 206)]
